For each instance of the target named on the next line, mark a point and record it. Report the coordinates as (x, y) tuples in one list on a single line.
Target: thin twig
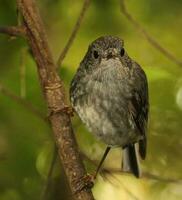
[(22, 74), (158, 178), (13, 30), (49, 175), (21, 101), (147, 36), (109, 170), (128, 191), (74, 32)]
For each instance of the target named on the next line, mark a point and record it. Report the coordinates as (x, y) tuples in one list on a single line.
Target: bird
[(109, 92)]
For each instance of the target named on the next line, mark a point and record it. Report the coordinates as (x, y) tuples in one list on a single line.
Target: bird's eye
[(122, 51), (95, 54)]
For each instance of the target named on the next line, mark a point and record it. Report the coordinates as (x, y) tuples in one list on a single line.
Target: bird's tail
[(130, 160)]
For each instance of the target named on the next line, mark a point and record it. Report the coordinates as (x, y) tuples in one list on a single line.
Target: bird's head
[(104, 51)]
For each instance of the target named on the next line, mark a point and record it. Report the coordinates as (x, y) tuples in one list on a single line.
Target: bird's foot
[(84, 183), (68, 110)]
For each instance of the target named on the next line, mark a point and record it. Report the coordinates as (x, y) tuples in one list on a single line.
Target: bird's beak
[(112, 60), (111, 53)]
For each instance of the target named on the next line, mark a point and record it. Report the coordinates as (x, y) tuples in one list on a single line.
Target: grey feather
[(130, 160)]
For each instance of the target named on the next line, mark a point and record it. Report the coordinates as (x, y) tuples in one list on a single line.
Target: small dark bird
[(110, 94)]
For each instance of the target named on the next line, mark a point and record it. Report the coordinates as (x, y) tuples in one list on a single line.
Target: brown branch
[(147, 36), (5, 91), (13, 30), (53, 91), (74, 32)]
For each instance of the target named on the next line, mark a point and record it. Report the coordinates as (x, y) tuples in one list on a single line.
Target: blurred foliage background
[(26, 143)]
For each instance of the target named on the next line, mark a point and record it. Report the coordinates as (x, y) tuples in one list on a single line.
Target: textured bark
[(53, 91)]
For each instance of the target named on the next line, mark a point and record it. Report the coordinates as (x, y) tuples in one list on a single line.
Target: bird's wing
[(139, 106)]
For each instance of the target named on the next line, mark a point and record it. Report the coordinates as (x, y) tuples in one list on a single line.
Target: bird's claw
[(85, 182), (68, 110)]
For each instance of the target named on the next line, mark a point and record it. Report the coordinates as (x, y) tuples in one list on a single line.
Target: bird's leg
[(102, 160), (87, 181)]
